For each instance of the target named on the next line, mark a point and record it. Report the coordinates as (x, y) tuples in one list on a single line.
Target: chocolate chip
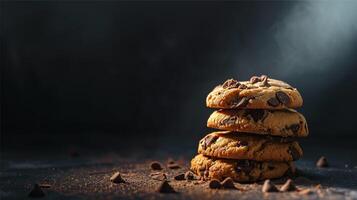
[(230, 83), (155, 165), (170, 161), (273, 102), (229, 121), (242, 143), (228, 183), (322, 162), (116, 178), (242, 87), (243, 102), (254, 79), (180, 177), (271, 167), (269, 187), (306, 192), (173, 166), (190, 176), (165, 187), (244, 165), (214, 184), (256, 115), (295, 154), (288, 186), (208, 140), (44, 185), (294, 128), (158, 176), (36, 192), (264, 81), (283, 98)]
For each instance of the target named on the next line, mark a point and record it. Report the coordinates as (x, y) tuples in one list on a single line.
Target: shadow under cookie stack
[(258, 131)]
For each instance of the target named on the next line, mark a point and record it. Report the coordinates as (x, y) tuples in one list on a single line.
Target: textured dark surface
[(86, 175)]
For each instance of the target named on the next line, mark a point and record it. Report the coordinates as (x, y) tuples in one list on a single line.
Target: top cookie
[(257, 93)]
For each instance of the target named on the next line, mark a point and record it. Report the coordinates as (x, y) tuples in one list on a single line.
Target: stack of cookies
[(258, 131)]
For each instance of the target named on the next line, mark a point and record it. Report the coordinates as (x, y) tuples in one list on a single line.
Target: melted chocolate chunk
[(209, 140), (283, 98), (273, 102), (242, 86), (242, 143), (256, 115), (270, 167), (245, 166), (241, 102), (294, 128), (230, 83), (294, 152), (229, 121)]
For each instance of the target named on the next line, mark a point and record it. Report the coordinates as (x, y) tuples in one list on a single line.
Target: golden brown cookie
[(282, 123), (239, 170), (258, 93), (242, 146)]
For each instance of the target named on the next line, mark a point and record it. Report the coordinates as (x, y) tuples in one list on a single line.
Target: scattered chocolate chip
[(256, 114), (269, 187), (173, 166), (273, 102), (254, 79), (228, 183), (180, 177), (155, 165), (158, 176), (116, 178), (322, 162), (230, 83), (288, 186), (283, 97), (165, 187), (242, 87), (306, 192), (243, 102), (190, 176), (214, 184), (44, 185), (36, 192), (295, 154)]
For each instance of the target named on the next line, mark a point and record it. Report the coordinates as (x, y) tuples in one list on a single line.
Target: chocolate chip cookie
[(257, 93), (230, 145), (239, 170), (282, 123)]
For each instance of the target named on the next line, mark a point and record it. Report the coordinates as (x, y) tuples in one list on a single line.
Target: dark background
[(135, 75)]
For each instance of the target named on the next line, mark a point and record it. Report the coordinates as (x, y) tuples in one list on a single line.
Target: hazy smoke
[(315, 35)]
